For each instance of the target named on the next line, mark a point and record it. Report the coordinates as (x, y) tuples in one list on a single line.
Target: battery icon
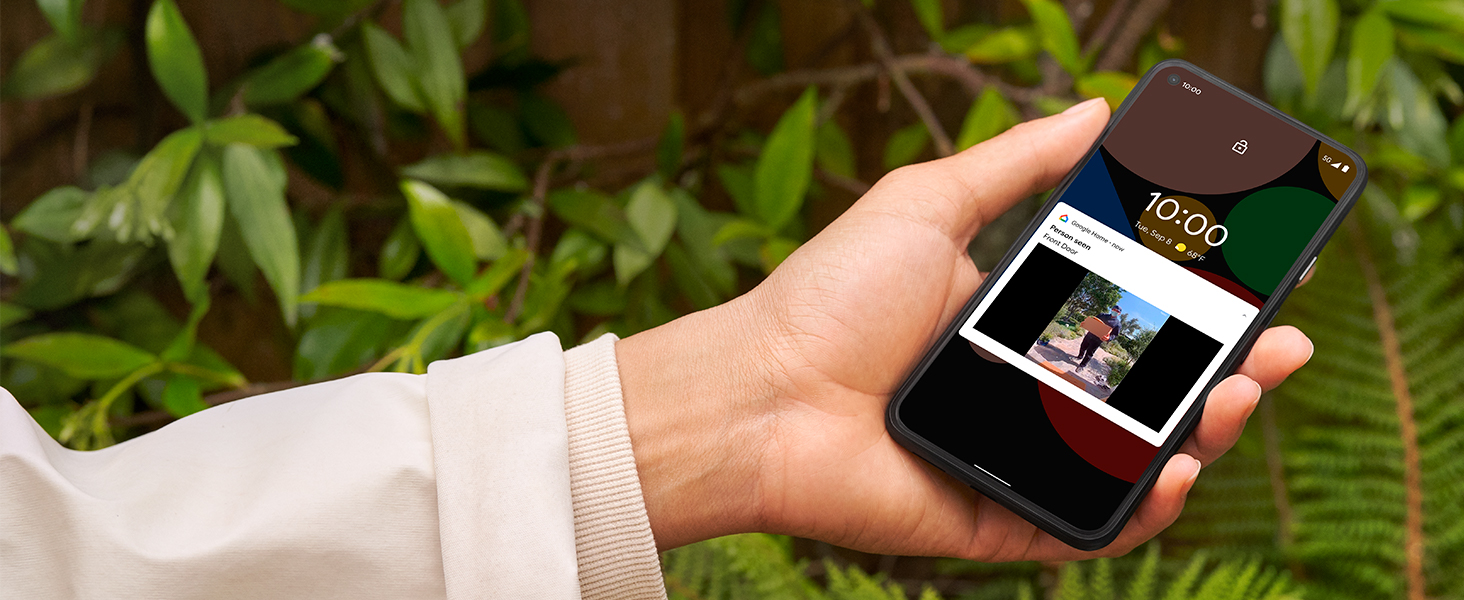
[(1346, 168)]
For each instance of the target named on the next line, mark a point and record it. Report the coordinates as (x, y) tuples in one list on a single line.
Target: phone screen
[(1087, 350)]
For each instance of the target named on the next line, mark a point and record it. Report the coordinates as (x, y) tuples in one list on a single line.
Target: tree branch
[(535, 232), (1141, 20), (881, 47), (1106, 26), (153, 418)]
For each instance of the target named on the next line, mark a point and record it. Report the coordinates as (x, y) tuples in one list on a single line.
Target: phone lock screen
[(1076, 367)]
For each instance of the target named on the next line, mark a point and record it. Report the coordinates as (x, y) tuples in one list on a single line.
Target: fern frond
[(1368, 417)]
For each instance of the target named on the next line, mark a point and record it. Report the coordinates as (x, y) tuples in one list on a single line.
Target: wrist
[(695, 399)]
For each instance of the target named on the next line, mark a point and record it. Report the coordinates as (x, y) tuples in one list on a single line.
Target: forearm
[(693, 392)]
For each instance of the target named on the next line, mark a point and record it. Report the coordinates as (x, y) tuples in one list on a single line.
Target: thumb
[(960, 194)]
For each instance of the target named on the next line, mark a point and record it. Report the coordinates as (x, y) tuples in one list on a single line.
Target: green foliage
[(176, 61), (482, 219)]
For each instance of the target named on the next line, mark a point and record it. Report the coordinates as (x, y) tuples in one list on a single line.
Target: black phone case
[(1083, 539)]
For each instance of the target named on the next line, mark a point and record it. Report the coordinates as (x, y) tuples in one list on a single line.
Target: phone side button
[(1308, 269)]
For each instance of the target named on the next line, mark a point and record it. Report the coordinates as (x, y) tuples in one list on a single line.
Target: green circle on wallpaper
[(1268, 230)]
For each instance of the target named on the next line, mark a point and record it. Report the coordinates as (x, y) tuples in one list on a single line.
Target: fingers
[(1277, 353), (1161, 507), (1227, 408), (1158, 511), (959, 194)]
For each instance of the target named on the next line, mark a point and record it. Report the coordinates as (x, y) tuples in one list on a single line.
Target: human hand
[(767, 413)]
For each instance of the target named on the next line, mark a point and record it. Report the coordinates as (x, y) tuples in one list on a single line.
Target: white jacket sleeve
[(481, 479)]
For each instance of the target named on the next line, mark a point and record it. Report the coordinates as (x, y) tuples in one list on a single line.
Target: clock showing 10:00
[(1179, 228)]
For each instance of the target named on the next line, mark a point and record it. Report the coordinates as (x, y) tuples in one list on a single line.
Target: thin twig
[(848, 184), (953, 67), (881, 46), (1106, 26), (536, 230), (154, 418), (1141, 20)]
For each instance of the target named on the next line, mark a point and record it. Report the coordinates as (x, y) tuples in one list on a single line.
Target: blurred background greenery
[(233, 198)]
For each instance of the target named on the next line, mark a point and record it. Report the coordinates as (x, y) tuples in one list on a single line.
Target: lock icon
[(1239, 147)]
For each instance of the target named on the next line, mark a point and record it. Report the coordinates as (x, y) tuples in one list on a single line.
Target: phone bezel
[(1083, 539)]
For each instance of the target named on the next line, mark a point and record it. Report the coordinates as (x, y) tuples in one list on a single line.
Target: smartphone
[(1082, 362)]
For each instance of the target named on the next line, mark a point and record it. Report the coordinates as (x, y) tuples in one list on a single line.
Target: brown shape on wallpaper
[(1196, 137)]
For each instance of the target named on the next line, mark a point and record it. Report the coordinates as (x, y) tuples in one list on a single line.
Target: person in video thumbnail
[(1091, 342)]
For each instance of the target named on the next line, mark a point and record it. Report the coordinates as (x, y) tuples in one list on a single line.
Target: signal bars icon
[(1345, 168)]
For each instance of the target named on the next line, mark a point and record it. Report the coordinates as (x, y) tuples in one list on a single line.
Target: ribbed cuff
[(616, 550)]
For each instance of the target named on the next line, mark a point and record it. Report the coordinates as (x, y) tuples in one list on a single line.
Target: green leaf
[(696, 227), (1310, 30), (183, 396), (177, 63), (765, 42), (1112, 86), (601, 299), (775, 251), (905, 146), (138, 208), (740, 228), (492, 280), (495, 127), (1003, 46), (198, 221), (957, 40), (439, 70), (81, 355), (585, 250), (931, 17), (292, 74), (250, 129), (256, 197), (1414, 118), (990, 115), (8, 264), (1419, 200), (668, 150), (737, 181), (1443, 14), (477, 169), (692, 280), (1372, 48), (441, 230), (55, 66), (399, 253), (64, 17), (545, 121), (488, 241), (592, 211), (327, 255), (338, 341), (630, 260), (1445, 45), (1057, 35), (50, 216), (833, 151), (468, 18), (785, 167), (489, 333), (652, 215), (392, 68), (11, 314), (395, 300)]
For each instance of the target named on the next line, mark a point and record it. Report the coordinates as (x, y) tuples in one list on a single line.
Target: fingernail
[(1312, 349), (1193, 476), (1081, 106)]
